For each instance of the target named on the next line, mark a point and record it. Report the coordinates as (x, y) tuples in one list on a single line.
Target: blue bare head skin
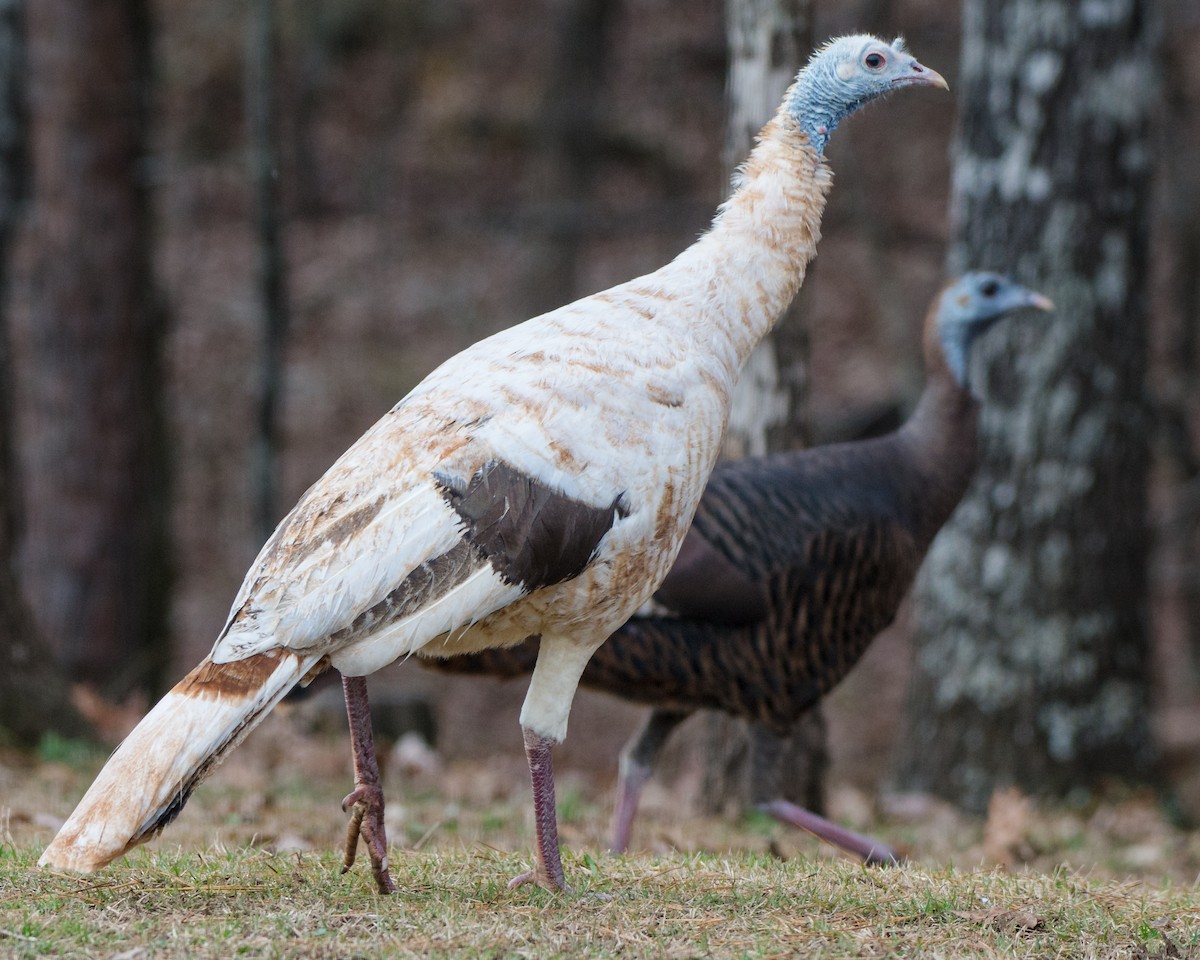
[(970, 305), (848, 73)]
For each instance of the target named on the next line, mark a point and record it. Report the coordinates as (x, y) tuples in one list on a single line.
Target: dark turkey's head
[(971, 304), (846, 74)]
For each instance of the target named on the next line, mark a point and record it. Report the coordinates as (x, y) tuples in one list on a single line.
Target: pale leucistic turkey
[(539, 482), (794, 563)]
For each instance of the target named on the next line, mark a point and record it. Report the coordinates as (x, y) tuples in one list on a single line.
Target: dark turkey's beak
[(920, 74)]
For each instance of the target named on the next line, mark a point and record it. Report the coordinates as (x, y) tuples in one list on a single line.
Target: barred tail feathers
[(187, 734)]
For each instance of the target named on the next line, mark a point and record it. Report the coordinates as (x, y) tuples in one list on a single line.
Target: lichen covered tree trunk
[(95, 544), (1032, 656), (768, 41)]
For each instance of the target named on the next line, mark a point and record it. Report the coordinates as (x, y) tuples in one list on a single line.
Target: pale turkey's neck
[(753, 260)]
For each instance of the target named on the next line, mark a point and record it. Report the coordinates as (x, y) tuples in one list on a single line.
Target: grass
[(251, 870), (253, 903)]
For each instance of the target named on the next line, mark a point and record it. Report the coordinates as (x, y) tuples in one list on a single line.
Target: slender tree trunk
[(33, 696), (261, 115), (95, 553), (1178, 395), (1032, 657), (564, 163), (768, 41)]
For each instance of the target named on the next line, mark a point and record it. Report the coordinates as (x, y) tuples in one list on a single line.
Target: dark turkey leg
[(548, 871), (867, 849), (766, 751), (367, 796), (637, 764)]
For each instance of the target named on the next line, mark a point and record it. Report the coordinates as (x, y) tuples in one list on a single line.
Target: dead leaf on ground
[(1002, 919), (111, 721), (1006, 833), (1166, 951)]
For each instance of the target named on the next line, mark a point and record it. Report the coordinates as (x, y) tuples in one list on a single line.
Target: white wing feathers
[(304, 589), (378, 514)]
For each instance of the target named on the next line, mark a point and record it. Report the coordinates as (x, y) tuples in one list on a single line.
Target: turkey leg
[(367, 797), (870, 851), (637, 764), (548, 871), (766, 751)]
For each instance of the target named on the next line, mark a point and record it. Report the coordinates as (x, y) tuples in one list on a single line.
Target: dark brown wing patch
[(531, 533)]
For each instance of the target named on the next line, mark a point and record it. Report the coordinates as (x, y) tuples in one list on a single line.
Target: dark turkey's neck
[(940, 440)]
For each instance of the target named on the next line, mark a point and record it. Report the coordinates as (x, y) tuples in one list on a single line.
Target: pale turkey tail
[(189, 732)]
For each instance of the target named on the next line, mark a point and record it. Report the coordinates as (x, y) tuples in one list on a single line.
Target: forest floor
[(251, 868)]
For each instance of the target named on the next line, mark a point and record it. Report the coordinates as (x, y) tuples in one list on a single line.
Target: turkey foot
[(367, 797), (367, 821)]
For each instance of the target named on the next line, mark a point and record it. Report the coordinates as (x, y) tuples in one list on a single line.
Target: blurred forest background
[(434, 171)]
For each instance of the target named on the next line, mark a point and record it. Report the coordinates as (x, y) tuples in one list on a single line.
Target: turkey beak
[(920, 74), (1040, 302)]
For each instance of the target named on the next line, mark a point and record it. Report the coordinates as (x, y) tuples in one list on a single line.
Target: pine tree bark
[(33, 696), (768, 41), (96, 544), (1032, 655)]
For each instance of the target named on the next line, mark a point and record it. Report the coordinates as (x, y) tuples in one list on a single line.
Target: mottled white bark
[(768, 42), (1032, 654)]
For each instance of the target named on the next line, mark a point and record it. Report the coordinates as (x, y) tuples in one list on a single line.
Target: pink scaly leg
[(632, 778), (367, 796), (548, 871), (765, 758), (867, 849), (637, 764)]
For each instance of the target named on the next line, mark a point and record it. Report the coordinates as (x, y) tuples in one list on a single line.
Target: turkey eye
[(990, 289), (874, 60)]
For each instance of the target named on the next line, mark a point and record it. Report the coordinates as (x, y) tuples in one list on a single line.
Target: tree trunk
[(768, 41), (95, 553), (1032, 656), (33, 696), (1178, 393), (261, 116), (564, 161)]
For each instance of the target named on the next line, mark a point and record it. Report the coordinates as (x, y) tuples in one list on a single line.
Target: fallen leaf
[(1006, 832), (1004, 920), (1018, 920), (112, 721)]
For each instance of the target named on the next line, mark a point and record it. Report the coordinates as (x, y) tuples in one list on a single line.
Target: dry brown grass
[(250, 869)]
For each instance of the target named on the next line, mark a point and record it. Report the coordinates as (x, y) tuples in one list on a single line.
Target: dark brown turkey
[(794, 563)]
